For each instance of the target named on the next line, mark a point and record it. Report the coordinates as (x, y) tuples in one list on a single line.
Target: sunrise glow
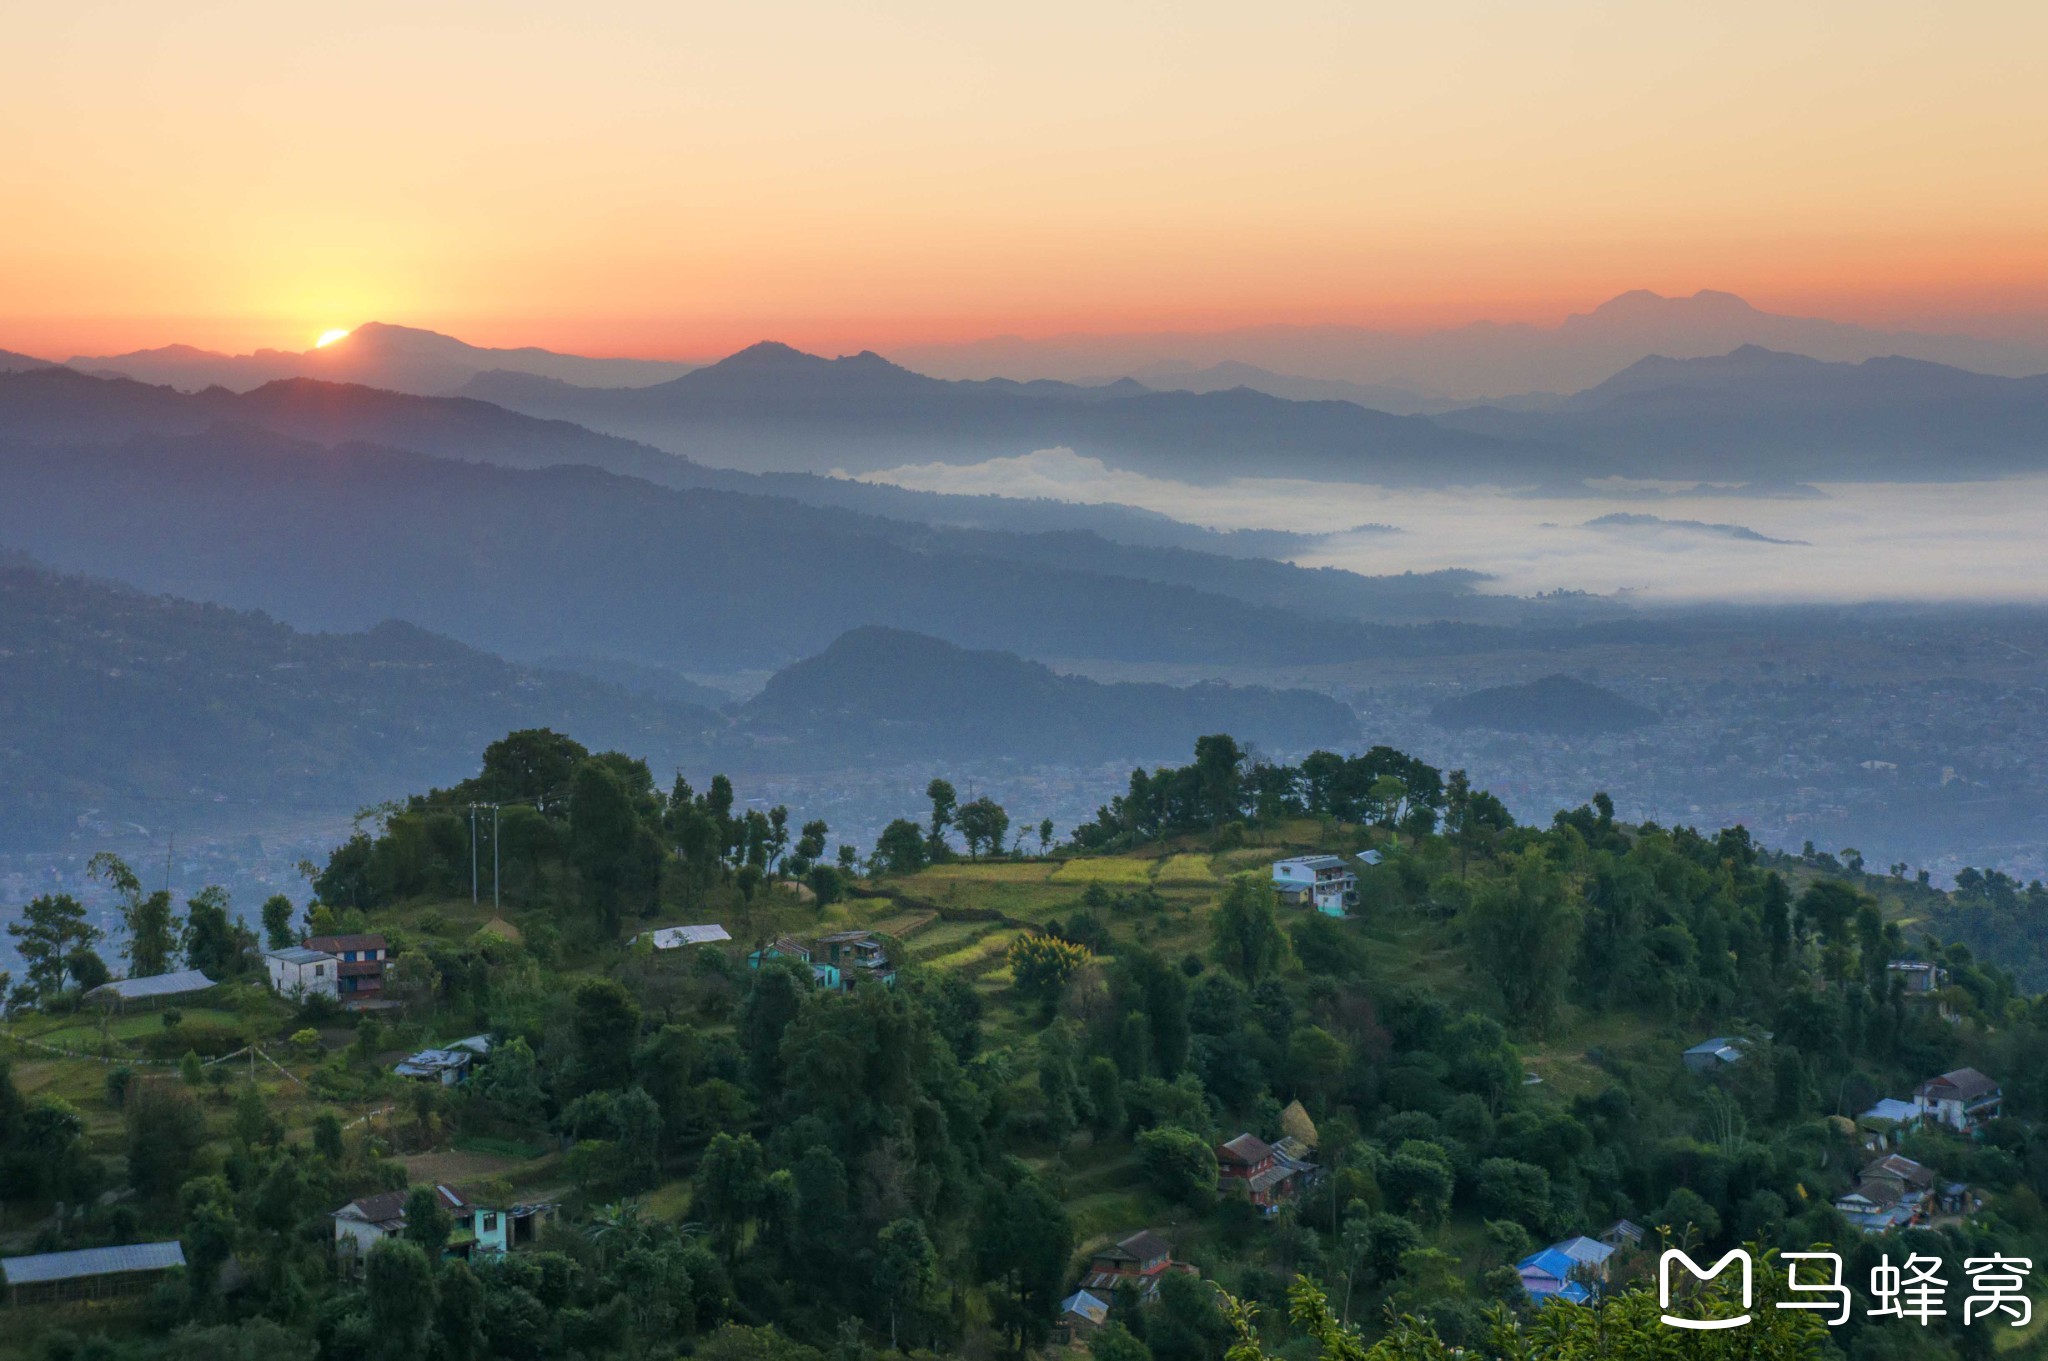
[(328, 338)]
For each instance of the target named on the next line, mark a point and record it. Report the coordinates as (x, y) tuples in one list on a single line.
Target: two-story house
[(1137, 1263), (859, 957), (1964, 1100), (360, 964), (298, 972), (1250, 1164), (824, 976), (1324, 882)]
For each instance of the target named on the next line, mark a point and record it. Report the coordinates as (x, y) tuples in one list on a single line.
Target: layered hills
[(144, 708)]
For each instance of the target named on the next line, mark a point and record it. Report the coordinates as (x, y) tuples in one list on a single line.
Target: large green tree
[(1245, 933), (51, 929), (1522, 931)]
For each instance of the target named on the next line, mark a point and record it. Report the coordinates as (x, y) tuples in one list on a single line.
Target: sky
[(667, 179)]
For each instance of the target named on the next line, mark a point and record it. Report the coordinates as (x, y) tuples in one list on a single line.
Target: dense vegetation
[(1485, 1054)]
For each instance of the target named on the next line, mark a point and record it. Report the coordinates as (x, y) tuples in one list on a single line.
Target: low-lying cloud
[(1864, 541)]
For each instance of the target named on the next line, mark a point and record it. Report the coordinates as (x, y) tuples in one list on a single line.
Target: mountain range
[(52, 404), (1763, 414), (399, 358), (59, 408), (1482, 361), (530, 563), (770, 407)]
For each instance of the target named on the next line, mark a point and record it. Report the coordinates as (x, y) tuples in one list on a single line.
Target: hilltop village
[(1328, 1056)]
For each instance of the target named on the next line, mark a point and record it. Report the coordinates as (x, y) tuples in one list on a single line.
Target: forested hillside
[(888, 694), (142, 707), (926, 1089)]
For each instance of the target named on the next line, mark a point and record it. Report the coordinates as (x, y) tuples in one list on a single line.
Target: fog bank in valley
[(1858, 541)]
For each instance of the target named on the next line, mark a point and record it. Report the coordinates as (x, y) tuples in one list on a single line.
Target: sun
[(328, 338)]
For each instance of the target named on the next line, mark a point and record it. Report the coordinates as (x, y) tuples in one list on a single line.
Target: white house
[(1325, 882), (1963, 1100), (298, 972), (361, 1224)]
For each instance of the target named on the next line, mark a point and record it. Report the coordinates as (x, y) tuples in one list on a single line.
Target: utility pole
[(168, 852), (472, 855), (494, 860)]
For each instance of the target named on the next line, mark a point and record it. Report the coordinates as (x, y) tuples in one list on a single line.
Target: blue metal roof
[(70, 1266), (1549, 1261)]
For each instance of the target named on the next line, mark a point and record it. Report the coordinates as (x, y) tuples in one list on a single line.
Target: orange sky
[(677, 179)]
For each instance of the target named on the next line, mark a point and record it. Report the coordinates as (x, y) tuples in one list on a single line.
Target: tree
[(983, 824), (1523, 933), (902, 848), (1023, 1242), (533, 766), (277, 923), (398, 1281), (827, 883), (86, 968), (1514, 1190), (810, 847), (1219, 778), (215, 943), (730, 1185), (944, 801), (615, 854), (1245, 931), (606, 1020), (1419, 1179), (459, 1314), (906, 1272), (1045, 836), (428, 1221), (774, 1000), (1628, 1323), (1042, 964), (150, 924), (1114, 1342), (1180, 1165), (51, 928), (165, 1133)]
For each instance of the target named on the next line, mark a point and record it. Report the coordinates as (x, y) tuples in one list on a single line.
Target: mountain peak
[(767, 354), (1644, 303)]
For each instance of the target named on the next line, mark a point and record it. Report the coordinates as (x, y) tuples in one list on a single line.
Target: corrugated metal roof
[(299, 954), (70, 1266), (337, 944), (674, 937), (157, 985)]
